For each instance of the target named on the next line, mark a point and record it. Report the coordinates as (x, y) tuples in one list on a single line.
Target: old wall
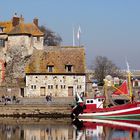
[(38, 42), (27, 41), (33, 110), (9, 91), (56, 85), (21, 40)]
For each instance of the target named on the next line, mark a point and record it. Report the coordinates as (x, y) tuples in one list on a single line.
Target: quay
[(58, 107)]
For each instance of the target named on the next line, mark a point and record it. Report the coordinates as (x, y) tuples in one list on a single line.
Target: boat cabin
[(97, 102)]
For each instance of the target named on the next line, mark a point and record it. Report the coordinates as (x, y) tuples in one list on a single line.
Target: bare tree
[(51, 38), (103, 66)]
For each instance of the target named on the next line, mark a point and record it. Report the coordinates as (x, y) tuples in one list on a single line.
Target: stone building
[(57, 71), (17, 33)]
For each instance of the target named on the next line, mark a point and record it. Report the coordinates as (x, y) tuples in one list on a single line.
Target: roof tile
[(59, 58)]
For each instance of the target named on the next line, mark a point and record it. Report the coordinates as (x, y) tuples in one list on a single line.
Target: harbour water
[(64, 129)]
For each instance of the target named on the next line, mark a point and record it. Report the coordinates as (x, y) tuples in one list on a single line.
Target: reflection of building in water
[(90, 133), (80, 135), (37, 132), (9, 132), (65, 132), (95, 132), (48, 133), (32, 134)]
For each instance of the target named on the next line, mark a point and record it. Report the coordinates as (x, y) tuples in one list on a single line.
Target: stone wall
[(37, 107), (9, 91), (56, 85), (27, 41), (38, 42), (34, 111)]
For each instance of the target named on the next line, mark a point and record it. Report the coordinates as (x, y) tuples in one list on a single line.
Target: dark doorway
[(70, 91), (22, 92)]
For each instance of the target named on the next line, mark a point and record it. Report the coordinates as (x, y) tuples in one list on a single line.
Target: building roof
[(17, 26), (7, 26), (23, 28), (59, 58)]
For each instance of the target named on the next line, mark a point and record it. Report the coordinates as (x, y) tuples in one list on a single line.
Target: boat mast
[(129, 84), (129, 81), (107, 86)]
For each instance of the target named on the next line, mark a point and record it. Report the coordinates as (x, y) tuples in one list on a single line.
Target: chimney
[(21, 19), (15, 20), (35, 21)]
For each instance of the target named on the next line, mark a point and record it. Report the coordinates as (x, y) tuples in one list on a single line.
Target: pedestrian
[(139, 93), (47, 98), (14, 98), (50, 97), (3, 98)]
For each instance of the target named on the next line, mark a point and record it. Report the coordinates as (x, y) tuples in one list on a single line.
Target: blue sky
[(110, 28)]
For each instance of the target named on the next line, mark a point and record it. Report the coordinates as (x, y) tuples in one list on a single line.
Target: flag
[(78, 33), (122, 89)]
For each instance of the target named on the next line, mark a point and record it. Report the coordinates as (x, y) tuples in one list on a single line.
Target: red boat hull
[(126, 111)]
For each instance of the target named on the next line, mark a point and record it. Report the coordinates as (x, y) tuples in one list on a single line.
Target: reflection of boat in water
[(108, 129), (122, 124)]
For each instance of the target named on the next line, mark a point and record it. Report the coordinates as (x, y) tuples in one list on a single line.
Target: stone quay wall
[(37, 107)]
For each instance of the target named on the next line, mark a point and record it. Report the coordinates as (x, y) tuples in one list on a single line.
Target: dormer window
[(2, 43), (1, 29), (50, 68), (69, 68), (38, 38)]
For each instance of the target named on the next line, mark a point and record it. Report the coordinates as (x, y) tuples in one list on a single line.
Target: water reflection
[(63, 129), (107, 129), (36, 130)]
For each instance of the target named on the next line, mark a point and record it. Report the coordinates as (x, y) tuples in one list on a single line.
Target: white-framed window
[(38, 38), (33, 86), (1, 29), (50, 86), (33, 138), (50, 68), (79, 86), (63, 86), (2, 43), (69, 68)]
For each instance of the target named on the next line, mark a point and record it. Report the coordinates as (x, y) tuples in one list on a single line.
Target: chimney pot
[(35, 21), (21, 19), (15, 20)]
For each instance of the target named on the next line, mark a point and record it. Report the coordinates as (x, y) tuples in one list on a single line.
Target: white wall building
[(55, 85), (57, 72)]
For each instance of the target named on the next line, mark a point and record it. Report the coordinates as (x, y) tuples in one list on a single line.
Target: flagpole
[(129, 81), (79, 42), (78, 36), (73, 37)]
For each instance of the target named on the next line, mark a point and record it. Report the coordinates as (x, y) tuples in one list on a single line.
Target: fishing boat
[(94, 107)]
